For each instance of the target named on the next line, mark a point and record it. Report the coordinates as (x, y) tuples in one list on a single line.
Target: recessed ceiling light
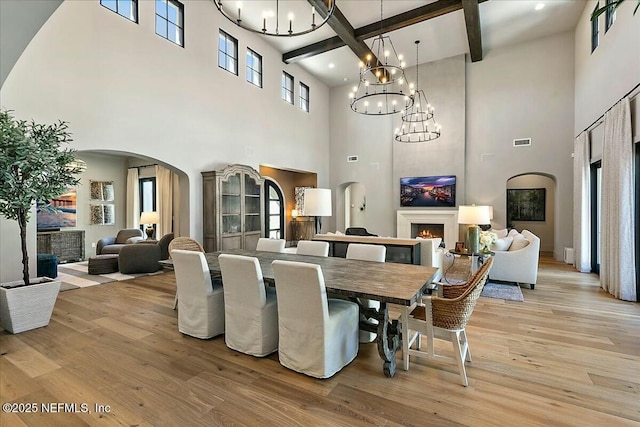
[(540, 6), (332, 65)]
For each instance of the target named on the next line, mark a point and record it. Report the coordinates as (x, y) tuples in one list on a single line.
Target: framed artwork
[(526, 204), (300, 199), (58, 212), (102, 214), (429, 191), (101, 190)]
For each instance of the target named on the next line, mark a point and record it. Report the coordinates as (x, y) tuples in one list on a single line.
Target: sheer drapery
[(133, 199), (617, 266), (164, 200), (581, 204)]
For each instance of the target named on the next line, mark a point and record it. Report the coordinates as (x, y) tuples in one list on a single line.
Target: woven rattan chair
[(445, 318), (184, 244)]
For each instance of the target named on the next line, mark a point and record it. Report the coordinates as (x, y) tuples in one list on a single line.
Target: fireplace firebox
[(427, 231)]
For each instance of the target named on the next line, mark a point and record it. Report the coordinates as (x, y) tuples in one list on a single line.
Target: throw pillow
[(519, 242), (500, 233), (513, 232), (338, 233), (502, 244)]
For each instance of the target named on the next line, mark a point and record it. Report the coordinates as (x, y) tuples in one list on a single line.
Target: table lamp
[(317, 202), (473, 215), (294, 214), (149, 218)]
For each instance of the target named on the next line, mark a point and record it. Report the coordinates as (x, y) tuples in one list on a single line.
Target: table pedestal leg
[(389, 340)]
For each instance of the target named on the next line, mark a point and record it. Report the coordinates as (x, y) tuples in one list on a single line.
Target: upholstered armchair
[(112, 245), (143, 257)]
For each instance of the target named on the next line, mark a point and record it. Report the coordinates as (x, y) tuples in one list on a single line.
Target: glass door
[(230, 206), (596, 210)]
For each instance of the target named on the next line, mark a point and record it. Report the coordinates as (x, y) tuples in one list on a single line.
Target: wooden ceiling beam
[(402, 20), (472, 21)]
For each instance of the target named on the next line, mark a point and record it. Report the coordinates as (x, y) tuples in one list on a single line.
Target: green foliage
[(33, 166), (613, 6)]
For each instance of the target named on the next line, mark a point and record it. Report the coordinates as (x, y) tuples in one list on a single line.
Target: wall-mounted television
[(428, 191)]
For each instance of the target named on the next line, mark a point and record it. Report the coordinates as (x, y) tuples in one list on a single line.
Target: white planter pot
[(27, 307)]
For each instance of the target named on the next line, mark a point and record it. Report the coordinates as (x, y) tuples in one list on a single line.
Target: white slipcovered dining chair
[(270, 245), (363, 252), (185, 244), (250, 309), (310, 247), (444, 317), (200, 303), (318, 336)]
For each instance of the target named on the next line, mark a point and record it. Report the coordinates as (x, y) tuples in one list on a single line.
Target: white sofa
[(431, 255), (519, 266)]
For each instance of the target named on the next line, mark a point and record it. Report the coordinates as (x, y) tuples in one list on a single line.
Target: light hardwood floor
[(568, 355)]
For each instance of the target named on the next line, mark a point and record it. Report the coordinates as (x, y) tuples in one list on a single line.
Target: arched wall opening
[(526, 211)]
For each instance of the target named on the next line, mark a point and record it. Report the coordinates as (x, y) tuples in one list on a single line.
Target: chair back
[(366, 252), (243, 283), (358, 231), (164, 245), (310, 247), (127, 233), (302, 302), (270, 245), (192, 277), (455, 313), (185, 244)]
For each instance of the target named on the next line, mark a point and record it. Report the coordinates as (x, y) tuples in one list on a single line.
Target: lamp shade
[(149, 217), (317, 202), (474, 215)]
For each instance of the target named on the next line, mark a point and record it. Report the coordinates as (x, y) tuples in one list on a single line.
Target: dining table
[(386, 282)]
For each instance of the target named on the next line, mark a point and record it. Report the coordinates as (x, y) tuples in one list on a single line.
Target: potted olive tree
[(33, 166)]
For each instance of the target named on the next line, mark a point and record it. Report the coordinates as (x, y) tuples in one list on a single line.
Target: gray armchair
[(143, 257), (112, 245)]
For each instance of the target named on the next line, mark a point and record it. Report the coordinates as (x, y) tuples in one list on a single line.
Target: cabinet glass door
[(231, 205), (251, 205)]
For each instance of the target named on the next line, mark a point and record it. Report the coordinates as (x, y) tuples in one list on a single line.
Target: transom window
[(304, 97), (126, 8), (594, 31), (254, 68), (287, 87), (228, 53), (170, 21)]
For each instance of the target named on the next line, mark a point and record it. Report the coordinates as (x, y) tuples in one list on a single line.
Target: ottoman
[(103, 264), (47, 266)]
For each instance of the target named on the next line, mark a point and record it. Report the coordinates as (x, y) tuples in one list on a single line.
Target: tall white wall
[(123, 88), (522, 91), (613, 69)]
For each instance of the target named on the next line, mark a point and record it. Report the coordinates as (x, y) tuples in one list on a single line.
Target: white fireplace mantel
[(448, 218)]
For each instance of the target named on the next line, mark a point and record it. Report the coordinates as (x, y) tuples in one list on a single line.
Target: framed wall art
[(526, 204)]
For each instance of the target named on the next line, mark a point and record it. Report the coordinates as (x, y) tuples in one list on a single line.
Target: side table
[(477, 258)]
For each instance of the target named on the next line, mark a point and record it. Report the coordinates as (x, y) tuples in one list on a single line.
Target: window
[(610, 16), (169, 20), (594, 31), (147, 196), (228, 53), (126, 8), (304, 97), (596, 210), (274, 211), (287, 87), (254, 68)]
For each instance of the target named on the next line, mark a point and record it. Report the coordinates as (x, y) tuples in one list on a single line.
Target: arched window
[(273, 210)]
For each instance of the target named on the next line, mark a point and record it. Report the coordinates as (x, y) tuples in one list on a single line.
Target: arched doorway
[(274, 215), (355, 205), (531, 205)]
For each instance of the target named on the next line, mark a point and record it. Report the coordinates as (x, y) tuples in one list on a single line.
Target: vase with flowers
[(487, 238)]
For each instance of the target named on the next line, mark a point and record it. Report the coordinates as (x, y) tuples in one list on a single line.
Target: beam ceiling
[(472, 21), (354, 38)]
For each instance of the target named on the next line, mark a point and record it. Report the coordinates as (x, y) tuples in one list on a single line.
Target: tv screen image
[(428, 191)]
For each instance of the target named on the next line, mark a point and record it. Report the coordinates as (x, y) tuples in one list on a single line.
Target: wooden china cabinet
[(233, 208)]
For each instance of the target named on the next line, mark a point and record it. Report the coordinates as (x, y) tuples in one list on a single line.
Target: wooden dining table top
[(386, 282)]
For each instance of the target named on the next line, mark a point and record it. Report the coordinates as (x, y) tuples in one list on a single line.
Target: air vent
[(522, 142), (352, 159)]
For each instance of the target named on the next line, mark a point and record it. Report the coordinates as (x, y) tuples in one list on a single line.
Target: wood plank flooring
[(569, 355)]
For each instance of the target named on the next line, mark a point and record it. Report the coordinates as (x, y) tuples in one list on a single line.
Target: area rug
[(75, 275), (502, 291)]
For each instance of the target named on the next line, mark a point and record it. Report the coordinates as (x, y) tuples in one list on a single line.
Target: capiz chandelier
[(273, 19), (383, 87), (418, 122)]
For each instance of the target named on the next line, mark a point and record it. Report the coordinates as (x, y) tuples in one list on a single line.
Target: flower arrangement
[(487, 238)]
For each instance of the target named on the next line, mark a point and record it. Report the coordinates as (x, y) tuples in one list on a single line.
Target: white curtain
[(617, 266), (581, 204), (164, 200), (133, 199)]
